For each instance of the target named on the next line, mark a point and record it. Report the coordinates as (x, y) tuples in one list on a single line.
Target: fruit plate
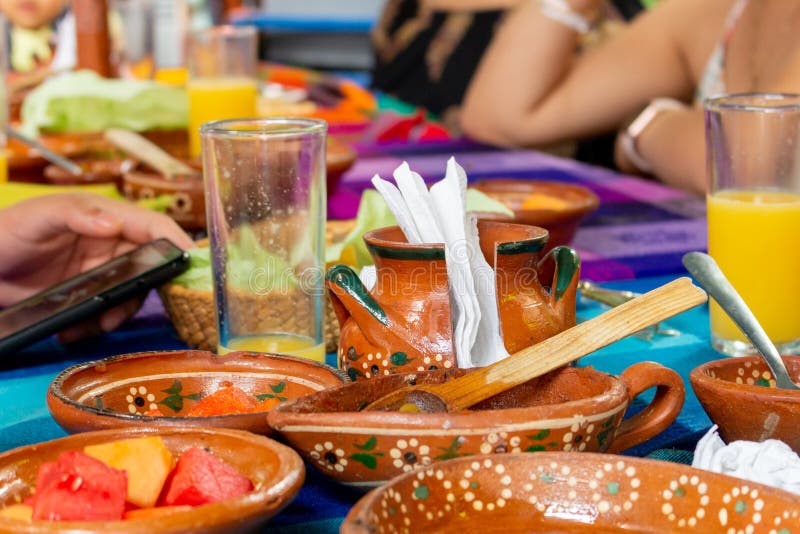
[(276, 471)]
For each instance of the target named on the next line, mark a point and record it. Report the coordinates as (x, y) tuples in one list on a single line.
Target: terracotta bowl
[(572, 409), (563, 492), (188, 208), (276, 471), (115, 392), (562, 209), (739, 395), (95, 171), (339, 157), (27, 165)]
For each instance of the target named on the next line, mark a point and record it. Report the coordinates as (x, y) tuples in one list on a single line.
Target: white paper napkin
[(771, 462), (439, 216)]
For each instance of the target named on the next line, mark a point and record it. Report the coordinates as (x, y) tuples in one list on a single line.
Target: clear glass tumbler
[(753, 149), (265, 202), (223, 67)]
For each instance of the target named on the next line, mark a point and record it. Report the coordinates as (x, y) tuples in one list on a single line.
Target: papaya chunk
[(23, 512), (146, 460), (225, 401), (147, 513)]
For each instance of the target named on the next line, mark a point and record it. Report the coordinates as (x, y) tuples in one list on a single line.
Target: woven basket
[(192, 313), (192, 310)]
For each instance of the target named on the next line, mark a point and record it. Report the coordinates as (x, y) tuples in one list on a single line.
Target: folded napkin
[(440, 216), (771, 462)]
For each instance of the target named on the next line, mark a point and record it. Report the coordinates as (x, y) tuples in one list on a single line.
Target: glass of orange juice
[(753, 148), (223, 63), (265, 202)]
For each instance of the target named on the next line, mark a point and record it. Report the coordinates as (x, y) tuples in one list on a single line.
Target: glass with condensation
[(265, 202), (753, 149), (223, 67)]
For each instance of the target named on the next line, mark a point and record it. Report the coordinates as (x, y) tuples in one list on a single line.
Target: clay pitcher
[(404, 324), (535, 294)]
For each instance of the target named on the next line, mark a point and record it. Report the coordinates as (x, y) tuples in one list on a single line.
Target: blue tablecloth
[(321, 504)]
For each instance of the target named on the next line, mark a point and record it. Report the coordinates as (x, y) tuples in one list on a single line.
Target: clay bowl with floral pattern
[(571, 409), (566, 492), (276, 471), (117, 391), (739, 395), (188, 206)]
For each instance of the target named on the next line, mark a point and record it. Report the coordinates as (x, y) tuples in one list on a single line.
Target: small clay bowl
[(115, 392), (739, 395), (95, 171), (572, 409), (188, 206), (276, 471), (26, 164), (339, 157), (563, 207), (562, 492)]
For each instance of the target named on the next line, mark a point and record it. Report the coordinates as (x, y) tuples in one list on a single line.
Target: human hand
[(48, 239)]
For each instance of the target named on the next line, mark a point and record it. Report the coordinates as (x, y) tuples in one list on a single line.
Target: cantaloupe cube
[(146, 460), (22, 512), (148, 513)]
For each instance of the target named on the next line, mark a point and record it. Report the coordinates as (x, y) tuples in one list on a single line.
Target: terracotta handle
[(351, 299), (659, 414), (565, 271)]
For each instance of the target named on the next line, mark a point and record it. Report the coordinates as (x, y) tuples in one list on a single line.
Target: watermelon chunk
[(200, 478), (76, 487), (147, 461)]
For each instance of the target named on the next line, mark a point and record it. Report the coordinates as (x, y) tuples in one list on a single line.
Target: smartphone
[(88, 294)]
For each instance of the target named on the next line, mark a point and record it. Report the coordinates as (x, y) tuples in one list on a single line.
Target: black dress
[(427, 58)]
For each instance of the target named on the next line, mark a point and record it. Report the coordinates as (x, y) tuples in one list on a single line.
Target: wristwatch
[(631, 134), (562, 12)]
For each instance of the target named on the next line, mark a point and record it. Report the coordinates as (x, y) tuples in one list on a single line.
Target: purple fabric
[(642, 227)]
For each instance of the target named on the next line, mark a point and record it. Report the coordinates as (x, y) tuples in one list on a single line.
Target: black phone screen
[(90, 285)]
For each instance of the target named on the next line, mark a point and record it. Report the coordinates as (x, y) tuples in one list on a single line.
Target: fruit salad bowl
[(275, 471)]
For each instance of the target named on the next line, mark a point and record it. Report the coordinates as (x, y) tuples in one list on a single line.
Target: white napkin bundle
[(771, 462), (440, 216)]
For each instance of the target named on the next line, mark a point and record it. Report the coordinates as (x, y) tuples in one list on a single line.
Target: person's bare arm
[(674, 146), (468, 5), (530, 89)]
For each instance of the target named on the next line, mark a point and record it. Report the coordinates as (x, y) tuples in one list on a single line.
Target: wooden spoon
[(143, 149), (561, 349)]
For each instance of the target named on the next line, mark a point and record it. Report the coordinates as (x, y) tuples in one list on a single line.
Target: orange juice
[(213, 99), (172, 76), (3, 165), (753, 236), (302, 346)]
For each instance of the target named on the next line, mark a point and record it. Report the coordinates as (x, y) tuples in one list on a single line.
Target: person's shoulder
[(687, 19)]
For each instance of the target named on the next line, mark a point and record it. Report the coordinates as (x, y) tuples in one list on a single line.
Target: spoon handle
[(51, 156), (613, 325), (710, 276)]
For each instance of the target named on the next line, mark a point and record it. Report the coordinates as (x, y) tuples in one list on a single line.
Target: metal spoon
[(710, 276), (51, 156)]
